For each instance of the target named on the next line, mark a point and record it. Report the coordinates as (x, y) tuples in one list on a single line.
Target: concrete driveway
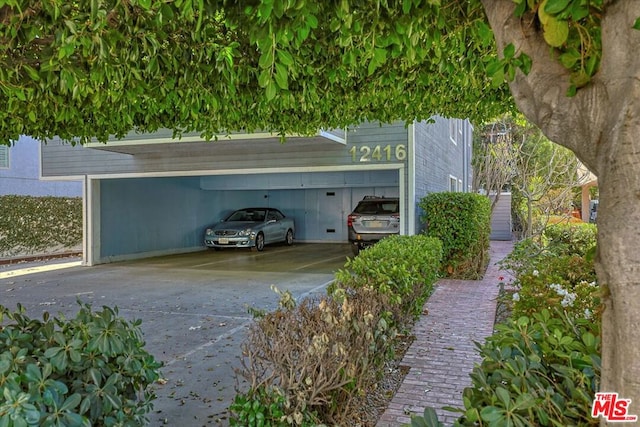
[(193, 309)]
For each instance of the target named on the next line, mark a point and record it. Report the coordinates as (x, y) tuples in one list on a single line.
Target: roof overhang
[(134, 143)]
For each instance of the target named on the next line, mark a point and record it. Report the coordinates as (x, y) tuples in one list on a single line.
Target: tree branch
[(542, 94)]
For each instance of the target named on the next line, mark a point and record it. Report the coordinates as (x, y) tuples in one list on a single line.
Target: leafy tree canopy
[(96, 68)]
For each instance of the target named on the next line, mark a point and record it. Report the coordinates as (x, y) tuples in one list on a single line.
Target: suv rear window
[(368, 207)]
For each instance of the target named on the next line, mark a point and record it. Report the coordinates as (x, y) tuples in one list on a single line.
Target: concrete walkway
[(459, 313)]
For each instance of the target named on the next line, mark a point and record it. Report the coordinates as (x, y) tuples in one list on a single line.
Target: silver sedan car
[(250, 228)]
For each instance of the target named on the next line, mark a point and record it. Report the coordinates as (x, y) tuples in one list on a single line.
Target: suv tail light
[(350, 220)]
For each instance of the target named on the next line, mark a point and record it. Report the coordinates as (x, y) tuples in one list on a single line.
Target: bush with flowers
[(541, 367), (564, 282), (557, 273)]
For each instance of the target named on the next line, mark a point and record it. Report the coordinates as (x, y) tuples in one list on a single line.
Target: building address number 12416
[(379, 153)]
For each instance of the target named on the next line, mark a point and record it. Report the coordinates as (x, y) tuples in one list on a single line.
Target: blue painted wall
[(23, 175), (318, 202), (149, 215), (163, 215)]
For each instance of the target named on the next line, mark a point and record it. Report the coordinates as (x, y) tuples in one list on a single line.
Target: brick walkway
[(443, 354)]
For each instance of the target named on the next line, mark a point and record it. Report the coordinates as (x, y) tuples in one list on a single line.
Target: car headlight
[(246, 232), (209, 232)]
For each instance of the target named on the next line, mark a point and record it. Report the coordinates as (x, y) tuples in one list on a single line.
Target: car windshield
[(253, 215), (377, 207)]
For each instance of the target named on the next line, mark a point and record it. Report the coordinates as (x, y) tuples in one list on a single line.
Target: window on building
[(453, 183), (453, 131), (4, 157)]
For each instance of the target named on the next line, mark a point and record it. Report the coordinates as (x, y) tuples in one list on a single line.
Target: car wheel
[(259, 243), (289, 237)]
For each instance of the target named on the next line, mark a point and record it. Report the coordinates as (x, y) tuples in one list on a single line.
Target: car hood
[(235, 225)]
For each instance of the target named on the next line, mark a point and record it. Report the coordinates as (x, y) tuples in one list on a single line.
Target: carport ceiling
[(192, 143)]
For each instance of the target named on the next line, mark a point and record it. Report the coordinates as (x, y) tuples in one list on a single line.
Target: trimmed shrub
[(88, 371), (402, 268), (462, 221), (32, 224), (309, 363), (313, 359)]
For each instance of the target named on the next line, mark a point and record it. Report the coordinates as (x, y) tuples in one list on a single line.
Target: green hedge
[(462, 221), (404, 268), (308, 363), (37, 224)]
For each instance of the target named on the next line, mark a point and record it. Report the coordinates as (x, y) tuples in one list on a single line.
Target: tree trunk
[(618, 267), (601, 124)]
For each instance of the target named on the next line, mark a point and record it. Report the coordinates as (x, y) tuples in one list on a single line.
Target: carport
[(150, 194), (156, 214)]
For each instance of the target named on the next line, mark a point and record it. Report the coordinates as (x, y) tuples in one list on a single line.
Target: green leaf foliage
[(52, 374), (34, 224), (104, 68), (542, 370), (462, 222), (403, 268), (557, 273), (101, 68), (556, 32), (570, 239), (428, 419), (308, 363), (572, 26), (258, 408)]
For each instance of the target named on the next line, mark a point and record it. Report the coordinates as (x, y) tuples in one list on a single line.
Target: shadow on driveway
[(193, 309)]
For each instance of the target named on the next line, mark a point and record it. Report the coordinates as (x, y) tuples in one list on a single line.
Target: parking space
[(193, 309), (304, 258)]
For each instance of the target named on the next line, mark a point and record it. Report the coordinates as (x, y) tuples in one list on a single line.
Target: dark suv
[(373, 219)]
